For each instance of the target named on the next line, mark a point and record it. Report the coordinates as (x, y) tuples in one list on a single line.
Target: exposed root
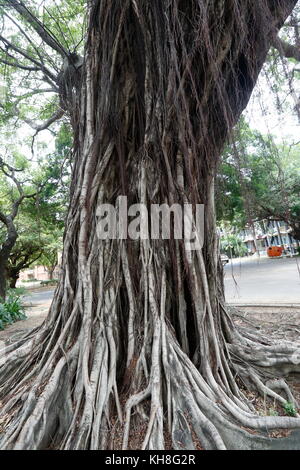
[(189, 403)]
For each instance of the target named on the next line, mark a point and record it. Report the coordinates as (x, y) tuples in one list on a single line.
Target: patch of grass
[(17, 291), (273, 412), (49, 283)]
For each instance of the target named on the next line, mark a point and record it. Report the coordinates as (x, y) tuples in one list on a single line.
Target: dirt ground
[(276, 322), (35, 317), (279, 323)]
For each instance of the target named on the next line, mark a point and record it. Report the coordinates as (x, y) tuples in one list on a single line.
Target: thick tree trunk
[(13, 279), (4, 256), (138, 344), (253, 230), (50, 271), (2, 281)]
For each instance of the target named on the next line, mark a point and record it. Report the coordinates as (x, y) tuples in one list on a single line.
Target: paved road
[(39, 297), (248, 280), (263, 280)]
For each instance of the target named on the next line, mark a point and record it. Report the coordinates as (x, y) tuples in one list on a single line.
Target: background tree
[(281, 201), (34, 247), (23, 255), (259, 179), (51, 252), (231, 243), (38, 218), (44, 55), (9, 209), (142, 325)]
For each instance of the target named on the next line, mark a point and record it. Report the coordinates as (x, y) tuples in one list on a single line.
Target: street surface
[(263, 280), (248, 281), (38, 297)]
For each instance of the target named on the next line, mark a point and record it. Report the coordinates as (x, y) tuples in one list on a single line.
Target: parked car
[(224, 259)]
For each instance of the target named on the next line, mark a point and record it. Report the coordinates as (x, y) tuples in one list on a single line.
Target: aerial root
[(268, 389), (45, 406), (201, 407)]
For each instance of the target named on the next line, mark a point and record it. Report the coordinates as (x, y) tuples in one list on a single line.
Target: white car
[(224, 259)]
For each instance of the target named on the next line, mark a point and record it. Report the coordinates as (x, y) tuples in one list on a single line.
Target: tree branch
[(19, 66), (33, 44), (3, 219), (38, 64), (38, 26), (41, 127), (17, 203), (26, 262)]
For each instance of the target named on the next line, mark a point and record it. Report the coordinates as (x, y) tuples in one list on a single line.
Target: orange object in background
[(274, 251)]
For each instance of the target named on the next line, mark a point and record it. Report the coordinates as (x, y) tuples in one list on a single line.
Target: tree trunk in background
[(50, 270), (296, 233), (138, 345), (2, 281), (13, 278), (280, 236), (253, 230), (4, 255)]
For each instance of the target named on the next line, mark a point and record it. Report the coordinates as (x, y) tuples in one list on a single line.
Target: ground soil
[(35, 317), (279, 323)]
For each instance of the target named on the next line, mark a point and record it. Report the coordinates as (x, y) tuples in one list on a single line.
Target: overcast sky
[(263, 115)]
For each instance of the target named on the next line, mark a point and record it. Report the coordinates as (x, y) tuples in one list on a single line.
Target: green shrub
[(18, 291), (53, 282), (273, 412), (290, 409), (233, 246), (11, 310)]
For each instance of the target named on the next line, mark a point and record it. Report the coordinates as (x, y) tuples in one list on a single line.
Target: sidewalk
[(36, 313)]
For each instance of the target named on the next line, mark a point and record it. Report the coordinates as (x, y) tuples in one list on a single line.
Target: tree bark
[(13, 279), (2, 281), (19, 260), (51, 270), (138, 344), (253, 230), (5, 251), (296, 231)]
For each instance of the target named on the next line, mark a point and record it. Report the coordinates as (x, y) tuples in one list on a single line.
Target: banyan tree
[(138, 337)]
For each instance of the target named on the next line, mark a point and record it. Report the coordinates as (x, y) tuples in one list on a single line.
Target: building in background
[(265, 233), (38, 273), (42, 273)]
